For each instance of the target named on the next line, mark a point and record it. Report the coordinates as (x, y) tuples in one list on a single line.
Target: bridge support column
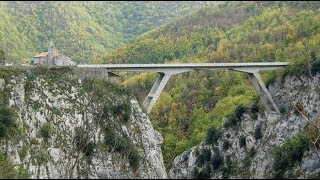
[(156, 90), (263, 92)]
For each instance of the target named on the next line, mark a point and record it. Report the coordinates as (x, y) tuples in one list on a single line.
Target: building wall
[(39, 60), (61, 60)]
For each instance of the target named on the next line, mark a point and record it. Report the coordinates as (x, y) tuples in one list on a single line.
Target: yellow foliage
[(267, 46), (174, 105), (217, 90)]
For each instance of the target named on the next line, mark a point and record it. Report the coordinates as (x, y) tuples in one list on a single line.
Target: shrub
[(88, 149), (282, 109), (315, 65), (9, 171), (105, 112), (42, 157), (8, 73), (7, 121), (121, 144), (227, 170), (257, 132), (117, 109), (252, 152), (197, 152), (254, 116), (134, 159), (204, 156), (207, 154), (288, 154), (109, 135), (4, 96), (246, 162), (202, 173), (239, 111), (3, 57), (313, 134), (242, 141), (225, 145), (116, 141), (228, 135), (213, 135), (46, 131), (228, 160), (233, 119), (200, 161), (81, 138), (22, 173), (52, 72), (247, 159), (123, 110), (82, 142), (217, 159), (254, 109), (23, 152)]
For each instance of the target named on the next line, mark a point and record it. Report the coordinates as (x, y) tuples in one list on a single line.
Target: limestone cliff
[(255, 144), (71, 128)]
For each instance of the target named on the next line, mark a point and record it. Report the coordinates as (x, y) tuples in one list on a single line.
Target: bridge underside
[(254, 77)]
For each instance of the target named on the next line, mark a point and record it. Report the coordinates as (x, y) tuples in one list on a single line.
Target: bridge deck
[(185, 67), (178, 65)]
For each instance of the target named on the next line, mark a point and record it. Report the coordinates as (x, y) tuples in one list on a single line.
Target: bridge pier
[(159, 85), (262, 90), (156, 91)]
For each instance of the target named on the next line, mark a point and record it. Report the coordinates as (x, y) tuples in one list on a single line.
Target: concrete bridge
[(167, 70)]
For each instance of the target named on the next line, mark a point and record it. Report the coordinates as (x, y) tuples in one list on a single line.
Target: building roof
[(45, 54), (42, 54)]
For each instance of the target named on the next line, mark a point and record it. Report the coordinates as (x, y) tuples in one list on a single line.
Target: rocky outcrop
[(246, 148), (69, 129)]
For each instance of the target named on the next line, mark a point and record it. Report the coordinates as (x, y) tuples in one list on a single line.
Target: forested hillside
[(232, 32), (84, 31)]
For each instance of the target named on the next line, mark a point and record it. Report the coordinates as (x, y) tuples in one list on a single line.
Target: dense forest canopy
[(83, 30)]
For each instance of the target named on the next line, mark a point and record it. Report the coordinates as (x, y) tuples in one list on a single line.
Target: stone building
[(51, 57)]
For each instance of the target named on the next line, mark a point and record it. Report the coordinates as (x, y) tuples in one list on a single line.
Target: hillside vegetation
[(232, 32), (84, 31)]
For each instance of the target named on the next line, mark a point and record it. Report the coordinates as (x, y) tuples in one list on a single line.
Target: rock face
[(247, 153), (68, 129)]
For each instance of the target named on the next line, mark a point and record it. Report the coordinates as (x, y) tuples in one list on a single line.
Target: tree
[(2, 57)]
